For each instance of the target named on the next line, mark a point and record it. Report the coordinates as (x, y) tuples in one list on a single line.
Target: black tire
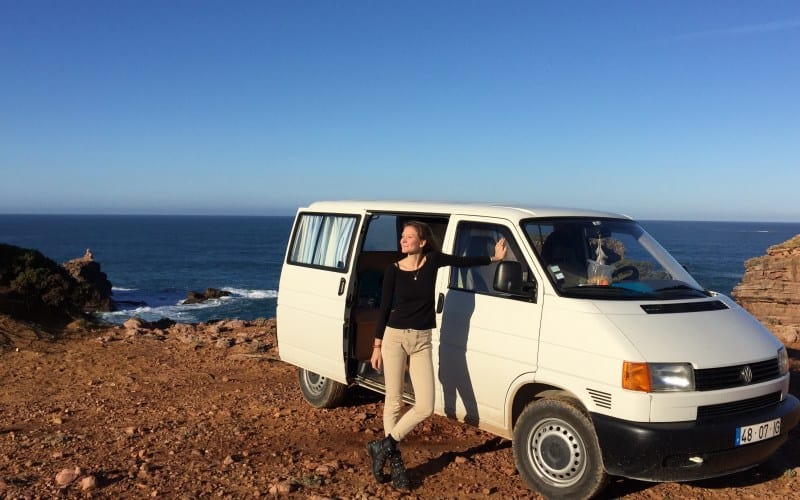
[(556, 450), (319, 391)]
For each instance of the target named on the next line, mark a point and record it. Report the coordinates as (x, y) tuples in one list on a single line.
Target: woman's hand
[(500, 250), (377, 359)]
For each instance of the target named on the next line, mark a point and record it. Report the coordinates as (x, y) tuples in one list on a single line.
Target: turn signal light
[(636, 377)]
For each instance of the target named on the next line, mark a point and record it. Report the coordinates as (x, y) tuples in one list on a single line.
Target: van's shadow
[(441, 462)]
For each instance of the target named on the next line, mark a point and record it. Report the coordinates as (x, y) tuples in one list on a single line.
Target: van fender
[(529, 387)]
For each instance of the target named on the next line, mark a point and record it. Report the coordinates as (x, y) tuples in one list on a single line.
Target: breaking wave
[(242, 303)]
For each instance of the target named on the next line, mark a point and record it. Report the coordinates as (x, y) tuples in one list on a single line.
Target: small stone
[(228, 460), (67, 476), (57, 420), (224, 343), (509, 471), (130, 431), (88, 483), (282, 488), (461, 459)]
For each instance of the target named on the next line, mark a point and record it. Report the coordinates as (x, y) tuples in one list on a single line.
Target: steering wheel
[(625, 273)]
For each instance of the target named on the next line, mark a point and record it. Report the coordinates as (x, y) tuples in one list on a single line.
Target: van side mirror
[(508, 279)]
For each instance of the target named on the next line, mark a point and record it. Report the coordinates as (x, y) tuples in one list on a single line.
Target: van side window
[(479, 239), (323, 240), (381, 233)]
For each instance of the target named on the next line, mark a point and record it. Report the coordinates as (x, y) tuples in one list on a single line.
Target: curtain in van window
[(341, 231), (323, 240), (306, 239)]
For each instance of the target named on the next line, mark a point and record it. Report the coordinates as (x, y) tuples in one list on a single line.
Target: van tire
[(319, 391), (556, 450)]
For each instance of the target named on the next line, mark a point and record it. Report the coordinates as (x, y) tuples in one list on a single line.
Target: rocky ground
[(210, 411)]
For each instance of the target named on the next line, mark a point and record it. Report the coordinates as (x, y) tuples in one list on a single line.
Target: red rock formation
[(770, 289), (86, 270)]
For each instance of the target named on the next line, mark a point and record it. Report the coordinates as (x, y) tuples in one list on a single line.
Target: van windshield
[(613, 259)]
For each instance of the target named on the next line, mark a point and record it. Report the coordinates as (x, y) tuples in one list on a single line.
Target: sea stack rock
[(86, 270), (210, 293), (770, 289)]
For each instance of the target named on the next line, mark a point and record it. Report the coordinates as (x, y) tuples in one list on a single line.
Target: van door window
[(474, 239), (323, 240)]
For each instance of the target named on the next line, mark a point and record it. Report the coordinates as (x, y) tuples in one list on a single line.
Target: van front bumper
[(686, 451)]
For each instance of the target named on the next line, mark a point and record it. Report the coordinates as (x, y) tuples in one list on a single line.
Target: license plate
[(757, 432)]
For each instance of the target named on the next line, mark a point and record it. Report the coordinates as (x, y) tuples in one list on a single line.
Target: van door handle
[(341, 286), (440, 303)]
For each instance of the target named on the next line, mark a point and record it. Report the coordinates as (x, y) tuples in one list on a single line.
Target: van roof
[(485, 209)]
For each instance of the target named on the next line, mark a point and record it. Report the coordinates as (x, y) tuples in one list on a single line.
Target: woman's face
[(410, 243)]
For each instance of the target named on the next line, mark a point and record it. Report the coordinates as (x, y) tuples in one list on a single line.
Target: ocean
[(154, 261)]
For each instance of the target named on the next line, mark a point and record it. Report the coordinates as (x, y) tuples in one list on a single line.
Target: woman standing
[(407, 317)]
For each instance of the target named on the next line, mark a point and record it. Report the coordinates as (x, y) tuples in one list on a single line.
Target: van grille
[(711, 412), (713, 379), (600, 398)]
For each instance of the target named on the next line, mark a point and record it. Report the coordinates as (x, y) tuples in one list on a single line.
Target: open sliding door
[(313, 291)]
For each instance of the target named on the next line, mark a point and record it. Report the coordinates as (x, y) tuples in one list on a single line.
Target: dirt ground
[(212, 412)]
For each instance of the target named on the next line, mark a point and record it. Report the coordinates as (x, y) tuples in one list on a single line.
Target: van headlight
[(657, 377), (783, 361)]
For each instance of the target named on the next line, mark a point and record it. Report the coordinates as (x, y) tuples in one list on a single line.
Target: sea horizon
[(292, 214), (154, 261)]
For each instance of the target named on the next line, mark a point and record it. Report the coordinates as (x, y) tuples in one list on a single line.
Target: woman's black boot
[(399, 474), (379, 451)]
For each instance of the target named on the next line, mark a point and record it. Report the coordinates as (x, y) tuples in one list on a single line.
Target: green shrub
[(40, 282)]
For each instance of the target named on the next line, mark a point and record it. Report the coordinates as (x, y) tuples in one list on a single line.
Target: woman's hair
[(424, 232)]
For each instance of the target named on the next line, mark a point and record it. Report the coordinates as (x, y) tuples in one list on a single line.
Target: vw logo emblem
[(746, 375)]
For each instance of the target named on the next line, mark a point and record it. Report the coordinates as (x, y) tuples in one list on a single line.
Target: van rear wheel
[(319, 391), (556, 450)]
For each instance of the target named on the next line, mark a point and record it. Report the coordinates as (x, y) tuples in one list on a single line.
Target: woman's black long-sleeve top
[(407, 297)]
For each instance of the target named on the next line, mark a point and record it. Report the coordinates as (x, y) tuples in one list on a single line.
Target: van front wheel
[(319, 391), (556, 450)]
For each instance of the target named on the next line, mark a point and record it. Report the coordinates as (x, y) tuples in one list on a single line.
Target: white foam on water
[(252, 294), (151, 310)]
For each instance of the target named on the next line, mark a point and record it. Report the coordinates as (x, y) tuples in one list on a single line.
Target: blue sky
[(661, 110)]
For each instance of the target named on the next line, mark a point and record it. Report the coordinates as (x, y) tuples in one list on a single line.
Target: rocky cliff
[(34, 288), (770, 289), (86, 270)]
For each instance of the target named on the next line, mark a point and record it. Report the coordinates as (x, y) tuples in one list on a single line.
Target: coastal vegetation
[(35, 288)]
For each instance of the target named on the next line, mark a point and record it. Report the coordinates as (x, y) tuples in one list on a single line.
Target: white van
[(635, 371)]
